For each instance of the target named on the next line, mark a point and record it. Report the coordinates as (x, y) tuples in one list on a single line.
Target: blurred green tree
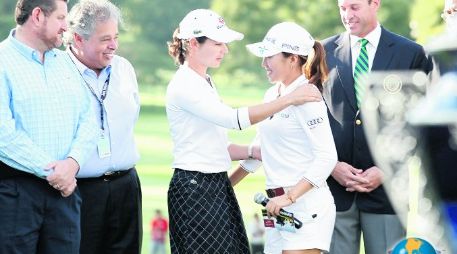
[(6, 17), (320, 17), (150, 24), (425, 20)]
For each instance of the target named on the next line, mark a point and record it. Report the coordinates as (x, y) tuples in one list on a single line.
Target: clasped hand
[(356, 179), (63, 175)]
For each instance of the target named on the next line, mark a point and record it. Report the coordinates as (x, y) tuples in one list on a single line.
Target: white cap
[(284, 37), (202, 22)]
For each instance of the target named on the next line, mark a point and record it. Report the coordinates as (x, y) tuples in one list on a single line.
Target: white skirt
[(316, 210)]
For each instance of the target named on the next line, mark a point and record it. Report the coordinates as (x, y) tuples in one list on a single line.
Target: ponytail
[(177, 49), (315, 68)]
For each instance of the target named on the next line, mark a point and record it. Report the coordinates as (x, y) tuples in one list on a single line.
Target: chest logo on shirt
[(314, 122), (284, 115)]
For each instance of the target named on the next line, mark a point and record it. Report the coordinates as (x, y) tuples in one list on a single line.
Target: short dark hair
[(25, 7)]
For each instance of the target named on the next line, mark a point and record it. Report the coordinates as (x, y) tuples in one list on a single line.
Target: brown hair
[(24, 8), (177, 48), (314, 66)]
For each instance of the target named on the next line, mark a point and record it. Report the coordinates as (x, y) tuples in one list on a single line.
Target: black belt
[(106, 177), (10, 172)]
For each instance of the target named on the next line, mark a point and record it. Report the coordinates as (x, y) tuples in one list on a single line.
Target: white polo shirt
[(198, 121), (296, 143)]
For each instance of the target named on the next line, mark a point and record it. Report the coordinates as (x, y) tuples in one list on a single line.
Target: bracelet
[(250, 152)]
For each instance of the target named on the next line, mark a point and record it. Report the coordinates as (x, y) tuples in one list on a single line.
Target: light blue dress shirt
[(45, 111), (121, 111)]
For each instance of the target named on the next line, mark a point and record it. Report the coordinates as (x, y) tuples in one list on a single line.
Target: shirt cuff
[(76, 156), (315, 182), (243, 118), (250, 165)]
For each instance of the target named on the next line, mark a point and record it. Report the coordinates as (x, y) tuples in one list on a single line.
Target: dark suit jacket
[(442, 162), (394, 52)]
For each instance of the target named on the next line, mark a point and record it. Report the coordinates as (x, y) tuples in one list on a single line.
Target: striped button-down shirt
[(45, 111)]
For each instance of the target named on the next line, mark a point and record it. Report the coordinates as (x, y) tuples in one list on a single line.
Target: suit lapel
[(344, 71), (384, 53)]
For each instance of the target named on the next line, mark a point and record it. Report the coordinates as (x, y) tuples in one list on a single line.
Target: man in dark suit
[(356, 182)]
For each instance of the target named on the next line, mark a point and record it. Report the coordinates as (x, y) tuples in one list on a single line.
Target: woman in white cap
[(297, 145), (204, 214)]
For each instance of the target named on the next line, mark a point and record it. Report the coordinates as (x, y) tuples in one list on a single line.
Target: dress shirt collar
[(27, 51), (373, 38), (83, 69)]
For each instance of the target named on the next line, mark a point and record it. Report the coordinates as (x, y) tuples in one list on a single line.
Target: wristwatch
[(250, 152)]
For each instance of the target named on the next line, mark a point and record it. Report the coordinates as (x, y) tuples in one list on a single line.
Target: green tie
[(361, 71)]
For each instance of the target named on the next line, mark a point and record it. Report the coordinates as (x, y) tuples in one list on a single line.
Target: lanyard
[(102, 94), (102, 97)]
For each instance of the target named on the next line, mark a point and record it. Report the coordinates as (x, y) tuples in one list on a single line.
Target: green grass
[(154, 142)]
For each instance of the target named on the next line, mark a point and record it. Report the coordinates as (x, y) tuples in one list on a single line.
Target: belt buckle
[(107, 175)]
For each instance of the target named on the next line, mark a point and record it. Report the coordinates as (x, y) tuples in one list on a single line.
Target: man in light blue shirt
[(108, 182), (47, 130)]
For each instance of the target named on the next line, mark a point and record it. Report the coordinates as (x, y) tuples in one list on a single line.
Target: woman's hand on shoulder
[(305, 93)]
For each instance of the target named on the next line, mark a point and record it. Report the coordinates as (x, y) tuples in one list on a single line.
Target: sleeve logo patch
[(314, 122)]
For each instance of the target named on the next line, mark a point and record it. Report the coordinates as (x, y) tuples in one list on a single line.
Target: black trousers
[(35, 218), (205, 217), (111, 216), (257, 248)]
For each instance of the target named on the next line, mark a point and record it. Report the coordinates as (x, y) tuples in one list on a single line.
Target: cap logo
[(271, 40), (262, 49), (197, 32), (221, 23), (290, 47)]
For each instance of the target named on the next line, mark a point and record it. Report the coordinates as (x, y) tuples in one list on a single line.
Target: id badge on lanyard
[(103, 144)]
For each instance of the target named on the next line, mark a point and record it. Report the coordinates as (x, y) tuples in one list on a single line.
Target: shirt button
[(358, 122)]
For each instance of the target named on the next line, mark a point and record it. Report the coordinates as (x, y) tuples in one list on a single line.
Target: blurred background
[(240, 80), (150, 24)]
